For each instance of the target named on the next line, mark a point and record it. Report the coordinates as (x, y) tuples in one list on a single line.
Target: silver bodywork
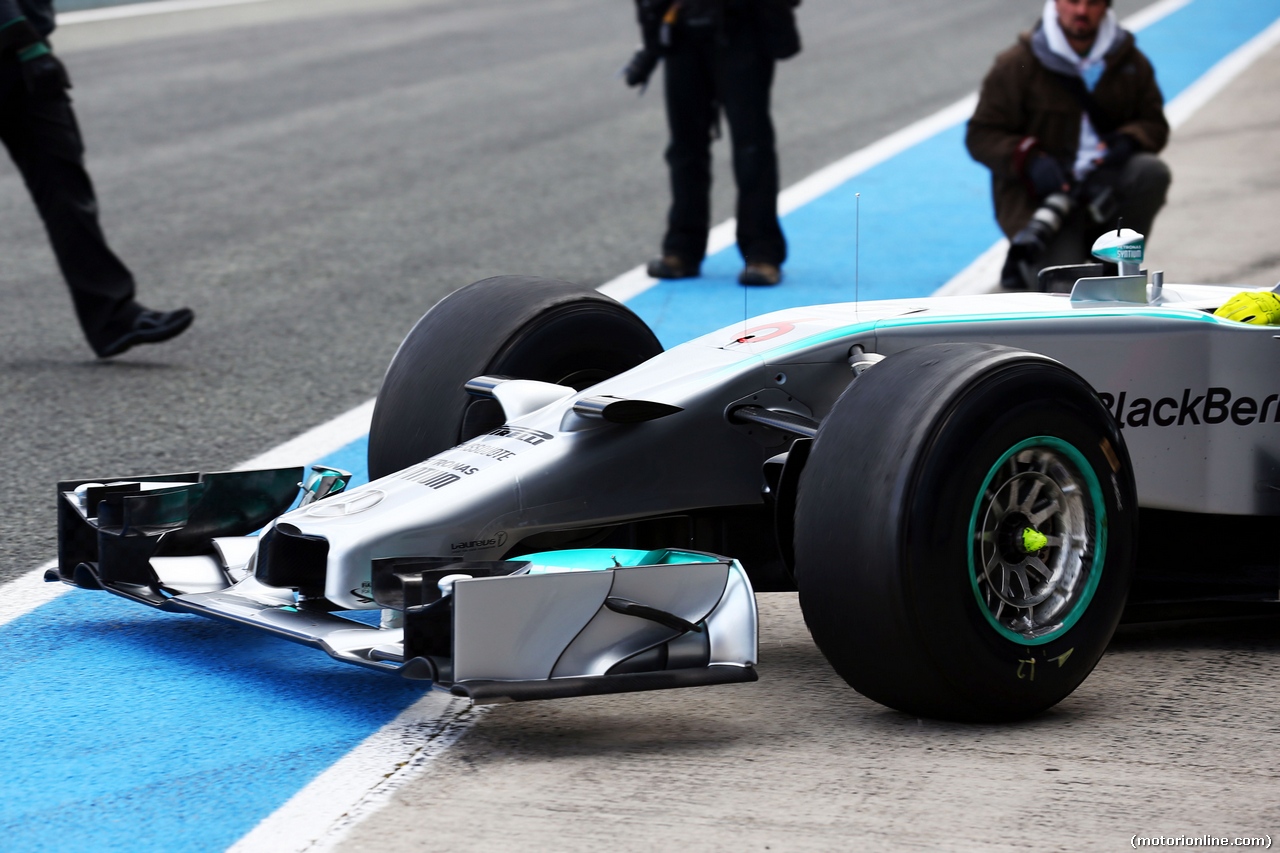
[(1199, 398)]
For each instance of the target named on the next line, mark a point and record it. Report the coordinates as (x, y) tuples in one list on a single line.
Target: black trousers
[(734, 70), (43, 139)]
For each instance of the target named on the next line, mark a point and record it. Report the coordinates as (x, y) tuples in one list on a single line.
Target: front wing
[(540, 626)]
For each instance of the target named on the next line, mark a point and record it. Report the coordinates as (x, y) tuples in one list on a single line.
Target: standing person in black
[(719, 54), (39, 129)]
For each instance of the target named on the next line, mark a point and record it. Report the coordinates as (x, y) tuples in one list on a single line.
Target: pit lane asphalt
[(664, 773), (311, 180)]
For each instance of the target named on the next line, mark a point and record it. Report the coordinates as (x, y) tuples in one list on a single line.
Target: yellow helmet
[(1260, 307)]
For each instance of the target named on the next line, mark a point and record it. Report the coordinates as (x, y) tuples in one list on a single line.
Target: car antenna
[(857, 238)]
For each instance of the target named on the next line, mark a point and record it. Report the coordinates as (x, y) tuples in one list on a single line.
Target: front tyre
[(964, 532)]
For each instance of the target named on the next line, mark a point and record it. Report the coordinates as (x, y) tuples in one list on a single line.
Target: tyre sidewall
[(982, 666)]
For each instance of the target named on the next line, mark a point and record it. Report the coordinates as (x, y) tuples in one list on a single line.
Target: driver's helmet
[(1260, 307)]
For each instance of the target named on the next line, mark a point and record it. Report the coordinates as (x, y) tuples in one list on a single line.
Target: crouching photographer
[(1069, 120)]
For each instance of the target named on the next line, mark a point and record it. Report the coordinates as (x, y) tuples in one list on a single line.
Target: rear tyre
[(519, 326), (964, 532)]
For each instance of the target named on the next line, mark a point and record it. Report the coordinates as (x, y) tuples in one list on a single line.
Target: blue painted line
[(129, 729), (926, 213), (124, 728)]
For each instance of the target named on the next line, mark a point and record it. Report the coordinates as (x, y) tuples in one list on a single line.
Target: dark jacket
[(775, 20), (1026, 104)]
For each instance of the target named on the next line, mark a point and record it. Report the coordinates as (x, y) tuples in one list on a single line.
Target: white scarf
[(1090, 67)]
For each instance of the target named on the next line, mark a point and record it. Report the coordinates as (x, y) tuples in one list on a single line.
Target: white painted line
[(1219, 76), (630, 284), (27, 592), (319, 816), (138, 10), (983, 275), (316, 443), (636, 281)]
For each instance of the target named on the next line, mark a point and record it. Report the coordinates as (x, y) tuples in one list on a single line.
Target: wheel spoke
[(1020, 573), (1030, 501), (1038, 566), (991, 564), (1038, 518)]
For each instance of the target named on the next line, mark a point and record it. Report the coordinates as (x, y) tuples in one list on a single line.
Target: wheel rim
[(1037, 540)]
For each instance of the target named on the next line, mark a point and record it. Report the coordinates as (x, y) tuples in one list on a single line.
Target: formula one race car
[(953, 484)]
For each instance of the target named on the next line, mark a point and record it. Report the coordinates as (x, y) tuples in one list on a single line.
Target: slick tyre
[(965, 531), (518, 326)]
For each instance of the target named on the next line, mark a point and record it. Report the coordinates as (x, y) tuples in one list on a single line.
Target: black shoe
[(672, 266), (760, 274), (150, 327)]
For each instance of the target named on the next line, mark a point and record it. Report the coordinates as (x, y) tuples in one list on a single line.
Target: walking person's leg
[(43, 139), (745, 76), (690, 101)]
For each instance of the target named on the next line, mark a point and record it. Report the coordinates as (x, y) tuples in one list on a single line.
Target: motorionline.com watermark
[(1261, 841)]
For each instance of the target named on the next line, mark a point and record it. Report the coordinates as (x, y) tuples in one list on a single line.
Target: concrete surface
[(1174, 733), (1222, 221)]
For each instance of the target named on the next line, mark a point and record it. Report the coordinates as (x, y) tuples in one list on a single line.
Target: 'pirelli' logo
[(528, 436)]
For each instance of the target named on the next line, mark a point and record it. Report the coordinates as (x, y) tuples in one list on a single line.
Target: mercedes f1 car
[(966, 491)]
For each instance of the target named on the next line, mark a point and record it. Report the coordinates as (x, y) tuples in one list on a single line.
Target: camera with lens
[(1028, 246)]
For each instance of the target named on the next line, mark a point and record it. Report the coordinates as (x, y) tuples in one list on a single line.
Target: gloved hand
[(640, 68), (1119, 148), (1045, 175), (44, 76)]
